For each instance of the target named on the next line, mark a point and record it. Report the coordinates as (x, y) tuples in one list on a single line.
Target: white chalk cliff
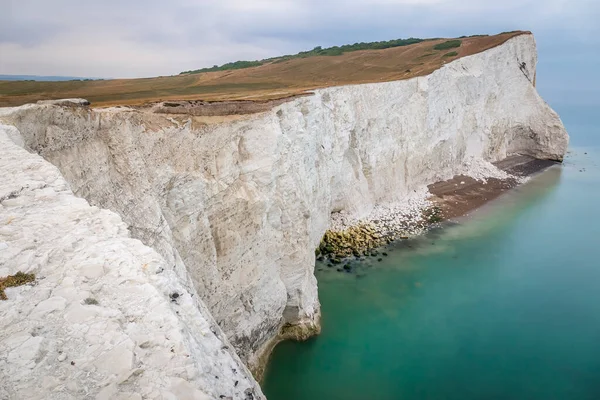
[(228, 213)]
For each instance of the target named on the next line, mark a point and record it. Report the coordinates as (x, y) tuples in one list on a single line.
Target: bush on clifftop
[(450, 44), (317, 51)]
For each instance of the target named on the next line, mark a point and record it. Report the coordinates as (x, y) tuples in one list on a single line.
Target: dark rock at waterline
[(380, 259), (329, 265), (347, 267), (336, 261), (320, 258), (384, 254), (435, 233), (339, 270), (355, 240)]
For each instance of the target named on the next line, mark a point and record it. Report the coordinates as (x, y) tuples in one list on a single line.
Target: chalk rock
[(232, 211), (54, 345), (65, 102)]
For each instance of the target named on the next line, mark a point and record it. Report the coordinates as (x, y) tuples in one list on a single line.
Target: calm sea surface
[(504, 305)]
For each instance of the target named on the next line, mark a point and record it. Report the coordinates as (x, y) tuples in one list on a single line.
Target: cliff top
[(276, 78)]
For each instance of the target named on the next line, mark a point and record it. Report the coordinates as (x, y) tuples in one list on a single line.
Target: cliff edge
[(232, 209)]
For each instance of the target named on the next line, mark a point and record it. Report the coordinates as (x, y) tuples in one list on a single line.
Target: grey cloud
[(152, 37)]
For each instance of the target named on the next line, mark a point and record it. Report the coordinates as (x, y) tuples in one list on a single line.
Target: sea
[(502, 304)]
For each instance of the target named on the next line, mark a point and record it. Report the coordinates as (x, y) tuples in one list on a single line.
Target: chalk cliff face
[(236, 206), (108, 317)]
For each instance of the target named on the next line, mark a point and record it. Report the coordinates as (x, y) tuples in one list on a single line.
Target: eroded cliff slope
[(107, 317), (237, 205)]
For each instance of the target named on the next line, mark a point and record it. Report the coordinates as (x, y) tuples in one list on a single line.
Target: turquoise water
[(504, 305)]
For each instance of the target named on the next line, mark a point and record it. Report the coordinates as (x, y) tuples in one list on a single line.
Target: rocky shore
[(350, 239), (227, 212)]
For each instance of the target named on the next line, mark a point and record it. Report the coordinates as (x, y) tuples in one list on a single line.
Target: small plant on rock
[(17, 279)]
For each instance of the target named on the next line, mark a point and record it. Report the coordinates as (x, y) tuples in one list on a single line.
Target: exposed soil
[(460, 195), (218, 108)]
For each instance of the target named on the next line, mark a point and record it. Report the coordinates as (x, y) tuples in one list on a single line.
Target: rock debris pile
[(358, 237)]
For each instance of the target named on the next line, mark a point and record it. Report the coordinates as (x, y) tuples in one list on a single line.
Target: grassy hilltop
[(272, 78)]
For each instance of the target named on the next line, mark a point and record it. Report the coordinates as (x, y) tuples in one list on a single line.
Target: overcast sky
[(138, 38)]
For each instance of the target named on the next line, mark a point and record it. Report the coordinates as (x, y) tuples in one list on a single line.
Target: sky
[(141, 38)]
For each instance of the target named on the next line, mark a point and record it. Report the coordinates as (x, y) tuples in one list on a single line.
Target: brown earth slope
[(275, 80)]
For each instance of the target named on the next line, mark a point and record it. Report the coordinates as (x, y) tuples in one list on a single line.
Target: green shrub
[(281, 60), (226, 67), (317, 51), (449, 44), (451, 54)]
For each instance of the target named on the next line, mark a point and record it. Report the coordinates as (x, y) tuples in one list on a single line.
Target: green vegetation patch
[(449, 44), (355, 241), (226, 67), (451, 54), (90, 301), (317, 51), (17, 279)]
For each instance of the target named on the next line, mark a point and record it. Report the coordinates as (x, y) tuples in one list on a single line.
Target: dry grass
[(269, 81), (17, 279)]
